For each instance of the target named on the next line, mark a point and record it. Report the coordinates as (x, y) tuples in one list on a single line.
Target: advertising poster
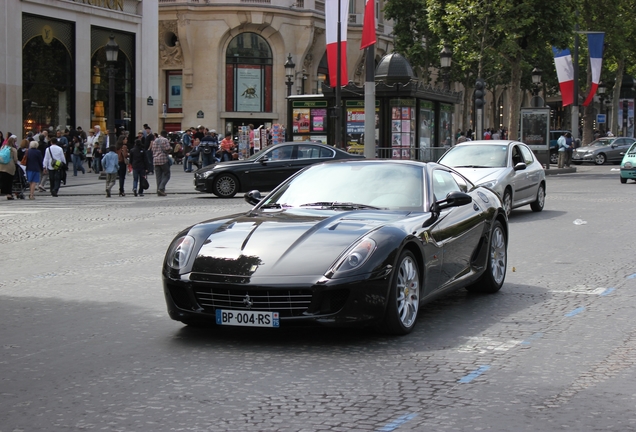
[(427, 124), (406, 113), (301, 120), (446, 125), (248, 89), (396, 113), (318, 117), (355, 120), (174, 93), (626, 106), (396, 125), (319, 138), (535, 128)]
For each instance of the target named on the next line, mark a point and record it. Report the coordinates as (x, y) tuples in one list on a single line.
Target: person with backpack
[(8, 164), (209, 146)]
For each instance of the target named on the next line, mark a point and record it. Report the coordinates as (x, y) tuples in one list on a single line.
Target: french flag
[(331, 24), (565, 73), (595, 46), (368, 28)]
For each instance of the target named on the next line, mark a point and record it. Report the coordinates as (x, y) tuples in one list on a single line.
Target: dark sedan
[(264, 170), (364, 242)]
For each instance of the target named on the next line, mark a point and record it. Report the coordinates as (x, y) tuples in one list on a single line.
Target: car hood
[(284, 243), (220, 165), (481, 175)]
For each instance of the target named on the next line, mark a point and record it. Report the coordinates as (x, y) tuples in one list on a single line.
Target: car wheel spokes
[(498, 255), (408, 292)]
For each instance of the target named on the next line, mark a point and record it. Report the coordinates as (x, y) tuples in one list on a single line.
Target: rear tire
[(537, 206), (507, 202), (404, 296), (554, 158), (493, 278)]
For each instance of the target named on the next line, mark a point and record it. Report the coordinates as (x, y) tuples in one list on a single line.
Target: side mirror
[(253, 197), (520, 166), (455, 199), (264, 159)]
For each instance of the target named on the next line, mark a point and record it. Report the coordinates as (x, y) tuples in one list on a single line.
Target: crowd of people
[(45, 156)]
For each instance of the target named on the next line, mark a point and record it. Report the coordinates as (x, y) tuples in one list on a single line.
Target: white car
[(507, 167)]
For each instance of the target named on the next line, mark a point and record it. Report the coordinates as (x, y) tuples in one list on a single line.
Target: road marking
[(631, 276), (485, 344), (607, 291), (532, 338), (471, 376), (582, 289), (574, 312), (397, 423)]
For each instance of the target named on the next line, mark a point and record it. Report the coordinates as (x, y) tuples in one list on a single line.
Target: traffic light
[(480, 92)]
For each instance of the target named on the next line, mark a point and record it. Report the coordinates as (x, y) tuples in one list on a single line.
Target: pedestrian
[(251, 138), (24, 146), (149, 138), (568, 150), (160, 148), (186, 140), (54, 153), (90, 146), (42, 146), (139, 164), (78, 155), (462, 137), (34, 161), (208, 148), (122, 154), (110, 164), (227, 147), (562, 146), (8, 165)]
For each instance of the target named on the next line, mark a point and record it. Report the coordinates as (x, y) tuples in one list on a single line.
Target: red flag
[(368, 28), (331, 24)]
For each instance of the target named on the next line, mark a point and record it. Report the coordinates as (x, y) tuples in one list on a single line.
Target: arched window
[(248, 74)]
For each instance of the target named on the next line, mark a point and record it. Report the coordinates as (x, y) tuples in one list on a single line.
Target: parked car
[(264, 170), (351, 242), (507, 167), (628, 164), (601, 150), (554, 145)]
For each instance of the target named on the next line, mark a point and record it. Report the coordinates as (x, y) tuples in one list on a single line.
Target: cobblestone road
[(87, 344)]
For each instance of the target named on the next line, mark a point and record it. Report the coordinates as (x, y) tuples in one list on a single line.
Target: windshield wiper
[(340, 205), (472, 166), (274, 205)]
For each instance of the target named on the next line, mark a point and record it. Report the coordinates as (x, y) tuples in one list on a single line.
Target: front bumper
[(584, 157), (326, 302), (628, 173), (200, 183)]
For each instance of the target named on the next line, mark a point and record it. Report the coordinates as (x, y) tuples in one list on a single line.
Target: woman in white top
[(90, 140)]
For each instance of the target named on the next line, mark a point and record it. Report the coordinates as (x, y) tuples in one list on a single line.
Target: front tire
[(537, 206), (507, 202), (623, 180), (225, 186), (493, 278), (404, 296), (600, 159), (554, 158)]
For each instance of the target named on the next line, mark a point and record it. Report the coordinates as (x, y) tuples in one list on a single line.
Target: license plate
[(247, 318)]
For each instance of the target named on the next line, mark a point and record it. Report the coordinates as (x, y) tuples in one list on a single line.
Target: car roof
[(488, 142)]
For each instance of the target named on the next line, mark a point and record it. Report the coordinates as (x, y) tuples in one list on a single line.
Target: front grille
[(289, 303)]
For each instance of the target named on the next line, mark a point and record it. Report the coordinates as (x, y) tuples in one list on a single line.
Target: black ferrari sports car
[(363, 242), (264, 170)]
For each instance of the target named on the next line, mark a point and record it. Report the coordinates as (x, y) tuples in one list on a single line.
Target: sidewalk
[(89, 184)]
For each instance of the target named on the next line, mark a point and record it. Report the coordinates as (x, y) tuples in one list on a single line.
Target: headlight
[(489, 184), (628, 165), (206, 174), (354, 258), (179, 252)]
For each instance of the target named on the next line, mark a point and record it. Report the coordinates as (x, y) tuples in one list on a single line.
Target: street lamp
[(602, 88), (290, 73), (304, 77), (536, 81), (445, 59), (112, 50)]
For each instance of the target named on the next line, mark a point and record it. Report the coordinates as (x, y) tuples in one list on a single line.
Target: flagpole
[(575, 102), (338, 108), (369, 102)]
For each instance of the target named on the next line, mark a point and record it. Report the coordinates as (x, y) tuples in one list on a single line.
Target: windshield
[(632, 150), (476, 156), (353, 185)]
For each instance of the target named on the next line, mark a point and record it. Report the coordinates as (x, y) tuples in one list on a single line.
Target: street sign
[(601, 118)]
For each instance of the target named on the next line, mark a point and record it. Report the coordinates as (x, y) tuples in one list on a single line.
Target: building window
[(48, 74), (248, 74), (124, 79)]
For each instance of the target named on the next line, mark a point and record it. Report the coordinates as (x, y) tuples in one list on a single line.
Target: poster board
[(535, 128)]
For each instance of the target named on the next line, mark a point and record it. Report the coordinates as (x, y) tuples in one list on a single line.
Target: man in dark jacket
[(192, 157), (149, 138), (209, 146), (139, 163)]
